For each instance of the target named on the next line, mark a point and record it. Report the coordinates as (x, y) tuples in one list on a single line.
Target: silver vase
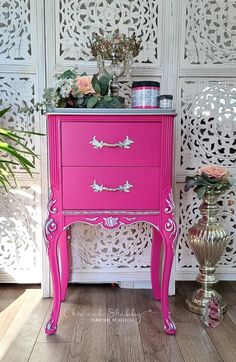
[(208, 240)]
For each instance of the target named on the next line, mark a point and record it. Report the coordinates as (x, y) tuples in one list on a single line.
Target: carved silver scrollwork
[(170, 204), (170, 225), (110, 221), (51, 208), (171, 228), (50, 225), (99, 188), (100, 144)]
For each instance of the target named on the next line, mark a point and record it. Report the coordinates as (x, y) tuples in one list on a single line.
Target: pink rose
[(84, 84), (214, 171)]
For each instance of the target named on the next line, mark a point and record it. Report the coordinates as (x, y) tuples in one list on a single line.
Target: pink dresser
[(111, 168)]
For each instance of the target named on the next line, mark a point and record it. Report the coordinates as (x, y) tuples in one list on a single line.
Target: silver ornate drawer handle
[(122, 144), (99, 188)]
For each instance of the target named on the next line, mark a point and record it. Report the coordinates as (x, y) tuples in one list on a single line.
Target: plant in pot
[(13, 152)]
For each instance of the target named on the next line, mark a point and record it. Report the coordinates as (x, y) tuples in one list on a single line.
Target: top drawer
[(111, 144)]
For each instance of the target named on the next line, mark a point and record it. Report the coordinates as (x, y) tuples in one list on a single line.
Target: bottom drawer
[(92, 188)]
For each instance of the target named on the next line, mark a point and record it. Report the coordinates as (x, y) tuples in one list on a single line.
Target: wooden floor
[(101, 323)]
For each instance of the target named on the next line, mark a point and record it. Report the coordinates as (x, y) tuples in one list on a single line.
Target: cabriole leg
[(64, 264), (169, 325), (52, 232), (51, 326), (155, 263)]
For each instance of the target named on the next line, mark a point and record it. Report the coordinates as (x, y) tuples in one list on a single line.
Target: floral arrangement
[(209, 178), (74, 90), (116, 46)]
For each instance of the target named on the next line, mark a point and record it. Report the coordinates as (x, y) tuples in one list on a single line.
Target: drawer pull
[(122, 144), (99, 188)]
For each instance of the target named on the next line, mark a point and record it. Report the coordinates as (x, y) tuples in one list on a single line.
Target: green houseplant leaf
[(13, 151)]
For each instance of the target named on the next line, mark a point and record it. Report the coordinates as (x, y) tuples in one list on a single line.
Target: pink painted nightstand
[(111, 168)]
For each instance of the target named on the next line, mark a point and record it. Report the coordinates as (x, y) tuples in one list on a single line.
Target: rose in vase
[(209, 178)]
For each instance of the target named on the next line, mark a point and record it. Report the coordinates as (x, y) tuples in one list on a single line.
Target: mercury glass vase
[(208, 239)]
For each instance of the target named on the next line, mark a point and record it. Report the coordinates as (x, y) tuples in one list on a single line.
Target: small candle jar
[(165, 101), (144, 94)]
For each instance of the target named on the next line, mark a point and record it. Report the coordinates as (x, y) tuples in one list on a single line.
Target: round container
[(144, 94), (165, 101)]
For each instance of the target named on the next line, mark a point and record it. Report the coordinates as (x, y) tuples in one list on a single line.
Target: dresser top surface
[(132, 111)]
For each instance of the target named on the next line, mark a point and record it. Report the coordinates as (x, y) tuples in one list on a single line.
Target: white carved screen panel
[(21, 79), (206, 57), (17, 31), (210, 139), (209, 32), (78, 20)]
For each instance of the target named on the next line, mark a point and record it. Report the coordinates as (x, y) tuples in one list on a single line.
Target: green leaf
[(3, 111), (190, 183), (67, 74), (62, 104), (107, 98), (95, 84), (115, 103), (201, 191), (92, 102), (104, 82)]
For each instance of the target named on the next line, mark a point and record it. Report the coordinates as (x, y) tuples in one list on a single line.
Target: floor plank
[(11, 300), (123, 338), (66, 320), (231, 312), (89, 337), (20, 337), (48, 352), (94, 327), (195, 344), (157, 345), (224, 338), (177, 304)]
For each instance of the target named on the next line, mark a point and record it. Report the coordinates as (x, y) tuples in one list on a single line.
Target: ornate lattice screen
[(185, 44), (21, 79)]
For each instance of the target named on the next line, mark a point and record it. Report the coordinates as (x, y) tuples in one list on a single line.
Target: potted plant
[(13, 151)]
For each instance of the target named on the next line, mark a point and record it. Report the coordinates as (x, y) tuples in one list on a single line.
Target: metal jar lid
[(146, 83), (165, 96)]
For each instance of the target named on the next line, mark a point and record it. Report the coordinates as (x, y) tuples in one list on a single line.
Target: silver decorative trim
[(50, 227), (99, 188), (157, 111), (114, 212), (51, 203), (171, 227), (117, 227), (170, 204), (50, 324), (110, 221), (91, 218), (130, 218), (100, 144)]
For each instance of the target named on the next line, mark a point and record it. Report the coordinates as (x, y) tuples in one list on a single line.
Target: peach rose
[(214, 171), (84, 84)]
